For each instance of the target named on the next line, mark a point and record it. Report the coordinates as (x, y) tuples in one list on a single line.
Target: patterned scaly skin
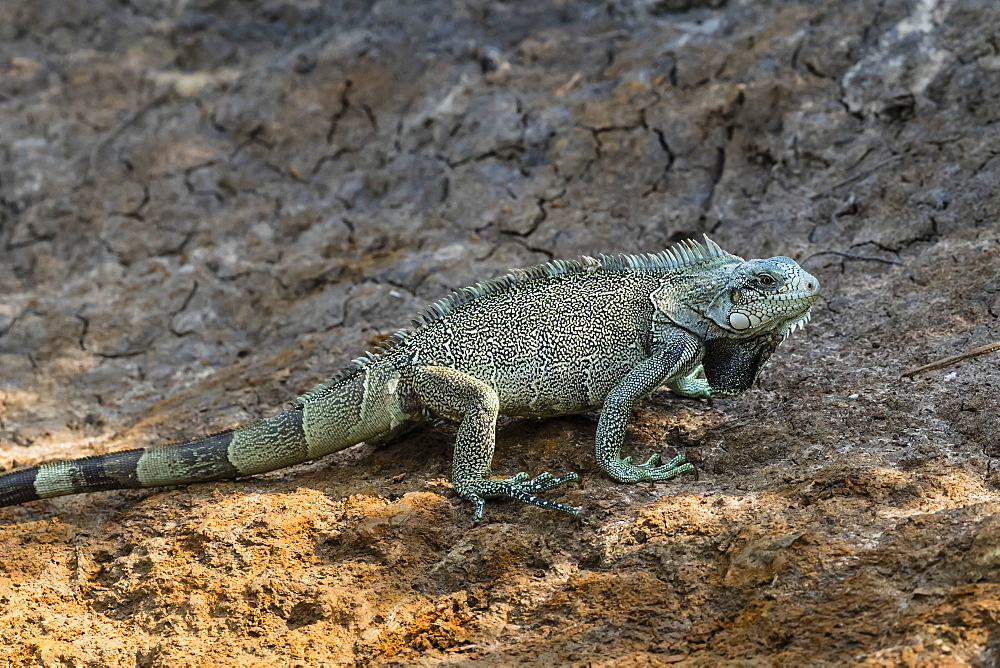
[(561, 338)]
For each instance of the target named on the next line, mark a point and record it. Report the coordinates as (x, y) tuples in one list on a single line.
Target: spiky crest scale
[(684, 253)]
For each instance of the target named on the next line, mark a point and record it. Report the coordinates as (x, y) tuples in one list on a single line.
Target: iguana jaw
[(796, 324), (807, 296)]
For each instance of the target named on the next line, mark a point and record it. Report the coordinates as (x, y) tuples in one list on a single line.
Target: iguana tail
[(264, 445), (357, 405)]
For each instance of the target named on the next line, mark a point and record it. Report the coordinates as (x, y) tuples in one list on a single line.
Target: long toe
[(666, 471), (546, 481), (651, 462), (544, 503)]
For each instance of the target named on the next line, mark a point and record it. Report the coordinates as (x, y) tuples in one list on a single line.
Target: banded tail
[(357, 405), (257, 447)]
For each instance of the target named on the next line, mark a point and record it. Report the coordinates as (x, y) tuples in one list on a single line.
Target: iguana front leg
[(675, 351), (474, 404)]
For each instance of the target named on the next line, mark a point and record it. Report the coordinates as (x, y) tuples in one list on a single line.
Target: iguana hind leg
[(475, 405)]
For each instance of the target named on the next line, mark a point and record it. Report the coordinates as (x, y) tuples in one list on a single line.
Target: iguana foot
[(691, 386), (516, 487), (625, 471), (695, 388)]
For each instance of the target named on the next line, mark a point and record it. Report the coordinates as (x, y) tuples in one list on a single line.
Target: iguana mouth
[(809, 294), (796, 324)]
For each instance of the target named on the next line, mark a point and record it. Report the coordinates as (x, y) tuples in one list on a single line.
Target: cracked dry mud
[(207, 207)]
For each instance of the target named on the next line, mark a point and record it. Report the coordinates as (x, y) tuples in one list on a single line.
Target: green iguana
[(560, 338)]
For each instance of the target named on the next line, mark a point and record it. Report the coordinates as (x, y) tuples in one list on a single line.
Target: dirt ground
[(207, 207)]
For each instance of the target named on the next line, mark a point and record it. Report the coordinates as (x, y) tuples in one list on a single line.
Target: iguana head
[(772, 296), (759, 305), (752, 306)]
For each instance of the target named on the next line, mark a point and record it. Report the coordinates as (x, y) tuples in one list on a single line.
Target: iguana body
[(561, 338)]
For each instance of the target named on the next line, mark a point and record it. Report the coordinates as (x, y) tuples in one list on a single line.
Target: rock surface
[(207, 207)]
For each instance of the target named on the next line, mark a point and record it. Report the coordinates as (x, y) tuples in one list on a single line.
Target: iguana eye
[(766, 280)]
